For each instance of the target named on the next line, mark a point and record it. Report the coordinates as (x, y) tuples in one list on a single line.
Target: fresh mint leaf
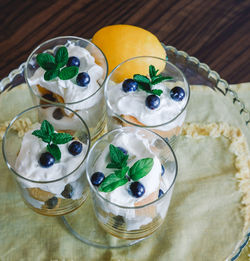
[(117, 156), (144, 87), (41, 135), (152, 71), (121, 173), (158, 79), (47, 128), (61, 138), (140, 168), (157, 92), (54, 150), (141, 79), (113, 165), (45, 60), (111, 182), (50, 75), (68, 72), (62, 57)]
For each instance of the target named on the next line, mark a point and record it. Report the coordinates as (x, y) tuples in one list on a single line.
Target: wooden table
[(216, 32)]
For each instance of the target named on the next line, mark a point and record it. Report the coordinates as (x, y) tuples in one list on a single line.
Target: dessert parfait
[(71, 71), (48, 163), (131, 172), (147, 92)]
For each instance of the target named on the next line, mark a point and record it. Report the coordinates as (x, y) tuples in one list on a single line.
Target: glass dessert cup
[(140, 221), (87, 101), (50, 196), (167, 119)]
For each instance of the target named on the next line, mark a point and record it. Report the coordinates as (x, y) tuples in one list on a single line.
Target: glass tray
[(197, 74)]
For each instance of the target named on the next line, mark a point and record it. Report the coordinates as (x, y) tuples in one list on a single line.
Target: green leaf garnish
[(145, 84), (119, 162), (112, 182), (48, 135), (62, 57), (52, 65), (50, 75), (68, 72), (141, 168), (54, 150), (118, 158), (45, 60)]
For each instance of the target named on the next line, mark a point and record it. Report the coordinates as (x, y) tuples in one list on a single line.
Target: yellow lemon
[(121, 42)]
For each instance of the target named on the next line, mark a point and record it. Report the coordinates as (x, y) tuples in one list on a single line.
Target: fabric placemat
[(209, 211)]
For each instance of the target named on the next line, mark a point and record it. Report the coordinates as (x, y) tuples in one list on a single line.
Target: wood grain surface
[(217, 32)]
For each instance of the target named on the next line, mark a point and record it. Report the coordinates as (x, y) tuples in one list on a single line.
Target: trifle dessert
[(70, 71), (131, 172), (147, 92), (48, 163)]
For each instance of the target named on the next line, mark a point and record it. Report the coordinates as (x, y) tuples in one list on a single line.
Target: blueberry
[(51, 203), (49, 96), (82, 79), (177, 93), (137, 189), (129, 85), (123, 150), (160, 193), (68, 191), (46, 160), (75, 148), (58, 114), (152, 102), (162, 170), (97, 178), (73, 61)]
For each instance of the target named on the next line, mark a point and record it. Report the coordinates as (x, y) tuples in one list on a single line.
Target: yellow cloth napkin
[(209, 211)]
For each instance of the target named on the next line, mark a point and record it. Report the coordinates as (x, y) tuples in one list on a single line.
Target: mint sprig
[(145, 84), (48, 135), (52, 65), (123, 173)]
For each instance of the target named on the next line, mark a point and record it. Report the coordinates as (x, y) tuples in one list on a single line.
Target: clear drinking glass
[(88, 101), (133, 222), (129, 108), (60, 188)]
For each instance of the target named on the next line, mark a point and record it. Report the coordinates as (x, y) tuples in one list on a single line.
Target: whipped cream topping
[(133, 103), (27, 165), (68, 89), (137, 148)]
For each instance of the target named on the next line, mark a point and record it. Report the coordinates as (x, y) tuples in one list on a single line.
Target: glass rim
[(146, 126), (37, 181), (58, 38), (93, 188)]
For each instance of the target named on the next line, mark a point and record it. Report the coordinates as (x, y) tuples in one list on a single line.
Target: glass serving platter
[(197, 74)]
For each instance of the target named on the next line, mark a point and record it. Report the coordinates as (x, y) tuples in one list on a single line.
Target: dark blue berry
[(75, 148), (97, 178), (137, 189), (177, 93), (82, 79), (58, 114), (49, 96), (129, 85), (52, 202), (162, 170), (160, 193), (152, 102), (73, 61), (68, 191), (46, 160), (123, 150)]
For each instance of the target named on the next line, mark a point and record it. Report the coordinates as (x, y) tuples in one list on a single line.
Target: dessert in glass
[(131, 172), (48, 160), (147, 92), (71, 71)]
